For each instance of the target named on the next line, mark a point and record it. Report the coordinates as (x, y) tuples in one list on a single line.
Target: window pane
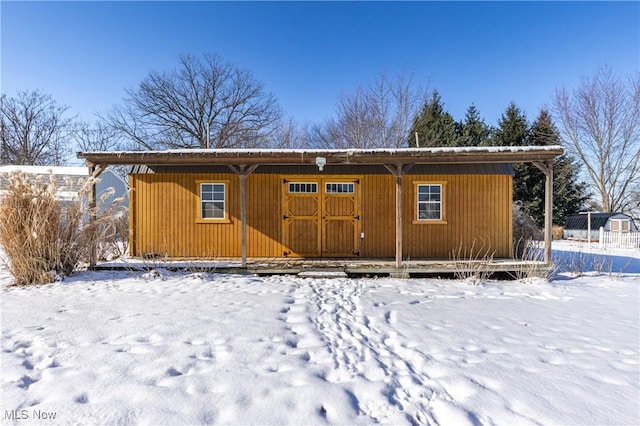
[(206, 192), (211, 210), (339, 188), (303, 188), (428, 213), (212, 199), (429, 202)]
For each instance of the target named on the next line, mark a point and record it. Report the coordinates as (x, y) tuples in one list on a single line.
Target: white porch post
[(601, 239)]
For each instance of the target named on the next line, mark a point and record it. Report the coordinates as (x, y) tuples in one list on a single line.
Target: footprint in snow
[(391, 317), (82, 399), (26, 381), (172, 372)]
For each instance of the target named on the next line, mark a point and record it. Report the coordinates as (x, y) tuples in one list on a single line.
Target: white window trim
[(443, 187), (225, 202)]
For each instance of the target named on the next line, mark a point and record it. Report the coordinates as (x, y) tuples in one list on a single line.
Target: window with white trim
[(620, 225), (429, 202), (212, 201)]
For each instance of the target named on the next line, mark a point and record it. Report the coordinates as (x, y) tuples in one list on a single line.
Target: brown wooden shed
[(414, 203)]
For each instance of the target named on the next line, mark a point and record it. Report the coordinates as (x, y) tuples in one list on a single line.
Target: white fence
[(615, 239)]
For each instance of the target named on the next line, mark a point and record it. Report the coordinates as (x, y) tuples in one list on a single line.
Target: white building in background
[(587, 226), (70, 181)]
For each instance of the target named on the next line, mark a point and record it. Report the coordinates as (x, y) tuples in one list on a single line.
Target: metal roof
[(580, 221), (358, 169), (441, 155)]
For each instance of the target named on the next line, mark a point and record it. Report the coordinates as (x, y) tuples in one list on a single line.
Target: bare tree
[(205, 102), (100, 136), (288, 134), (96, 137), (376, 116), (33, 129), (600, 124)]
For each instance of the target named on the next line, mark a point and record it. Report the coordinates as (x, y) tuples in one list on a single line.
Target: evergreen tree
[(513, 129), (433, 125), (529, 181), (473, 131), (569, 194)]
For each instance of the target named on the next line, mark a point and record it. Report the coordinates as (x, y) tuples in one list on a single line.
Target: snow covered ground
[(179, 348)]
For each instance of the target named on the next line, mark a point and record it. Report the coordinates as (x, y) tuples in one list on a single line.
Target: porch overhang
[(442, 155), (398, 161)]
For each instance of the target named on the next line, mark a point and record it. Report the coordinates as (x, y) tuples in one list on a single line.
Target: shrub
[(525, 230), (558, 232), (44, 237)]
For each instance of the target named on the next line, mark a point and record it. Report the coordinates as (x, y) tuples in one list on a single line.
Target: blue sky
[(488, 53)]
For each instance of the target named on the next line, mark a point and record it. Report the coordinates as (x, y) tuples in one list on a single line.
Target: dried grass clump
[(44, 237), (473, 264)]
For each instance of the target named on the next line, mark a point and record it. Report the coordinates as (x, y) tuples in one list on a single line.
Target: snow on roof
[(349, 151), (45, 170)]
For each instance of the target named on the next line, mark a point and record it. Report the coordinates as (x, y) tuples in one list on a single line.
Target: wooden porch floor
[(327, 268)]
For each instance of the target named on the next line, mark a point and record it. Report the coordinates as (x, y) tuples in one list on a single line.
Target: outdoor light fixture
[(321, 162)]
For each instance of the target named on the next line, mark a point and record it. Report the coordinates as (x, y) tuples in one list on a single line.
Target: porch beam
[(547, 168), (97, 170), (243, 171), (398, 171), (441, 155), (94, 171)]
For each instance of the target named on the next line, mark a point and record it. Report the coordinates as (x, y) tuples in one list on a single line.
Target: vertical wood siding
[(378, 216), (164, 211), (477, 208), (264, 216)]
